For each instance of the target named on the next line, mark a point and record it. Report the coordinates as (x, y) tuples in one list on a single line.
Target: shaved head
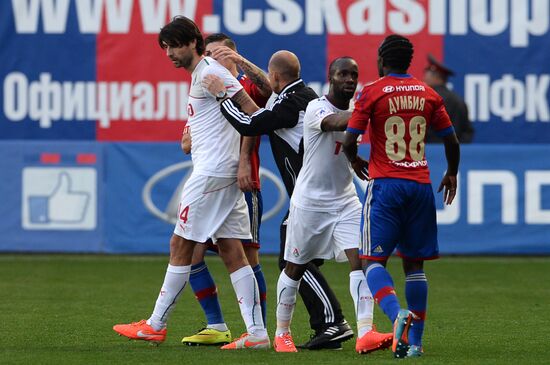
[(286, 64), (336, 63)]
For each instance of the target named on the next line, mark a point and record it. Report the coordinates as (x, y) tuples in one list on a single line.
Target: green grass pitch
[(60, 309)]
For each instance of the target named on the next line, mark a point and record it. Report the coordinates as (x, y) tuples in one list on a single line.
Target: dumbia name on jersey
[(398, 103)]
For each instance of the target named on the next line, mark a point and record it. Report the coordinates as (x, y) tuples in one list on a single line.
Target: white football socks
[(364, 303), (248, 296), (222, 327), (174, 282), (286, 301)]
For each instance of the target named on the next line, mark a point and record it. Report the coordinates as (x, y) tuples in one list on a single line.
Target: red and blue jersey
[(260, 100), (398, 109)]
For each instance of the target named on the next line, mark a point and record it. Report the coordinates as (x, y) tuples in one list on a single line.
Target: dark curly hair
[(396, 52), (181, 31)]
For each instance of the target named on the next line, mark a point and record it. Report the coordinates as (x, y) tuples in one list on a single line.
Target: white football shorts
[(322, 235), (212, 207)]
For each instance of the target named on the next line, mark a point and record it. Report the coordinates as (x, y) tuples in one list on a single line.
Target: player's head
[(220, 39), (182, 40), (394, 55), (436, 73), (283, 68), (216, 40), (343, 73)]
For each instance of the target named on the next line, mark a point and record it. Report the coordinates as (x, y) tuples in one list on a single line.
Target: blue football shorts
[(399, 214)]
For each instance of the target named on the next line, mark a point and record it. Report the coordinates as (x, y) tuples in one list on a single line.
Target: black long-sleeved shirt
[(282, 122), (458, 112)]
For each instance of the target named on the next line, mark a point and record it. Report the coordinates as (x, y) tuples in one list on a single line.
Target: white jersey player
[(324, 197), (215, 155), (212, 205), (215, 148), (325, 212)]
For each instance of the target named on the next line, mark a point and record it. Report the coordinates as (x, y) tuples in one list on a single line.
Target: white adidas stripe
[(236, 113), (314, 284)]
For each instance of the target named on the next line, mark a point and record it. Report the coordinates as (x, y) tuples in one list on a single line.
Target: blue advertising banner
[(503, 200), (91, 112), (122, 198)]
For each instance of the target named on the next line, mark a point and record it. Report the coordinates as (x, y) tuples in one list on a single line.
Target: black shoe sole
[(401, 350), (205, 344)]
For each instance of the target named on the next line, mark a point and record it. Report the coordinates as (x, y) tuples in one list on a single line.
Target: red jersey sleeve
[(253, 91), (361, 114)]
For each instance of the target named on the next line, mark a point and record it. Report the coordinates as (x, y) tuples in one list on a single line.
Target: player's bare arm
[(253, 72), (244, 173), (186, 141), (360, 166), (335, 122), (257, 76), (245, 101), (452, 154)]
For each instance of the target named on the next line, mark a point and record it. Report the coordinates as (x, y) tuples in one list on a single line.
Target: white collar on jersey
[(287, 87)]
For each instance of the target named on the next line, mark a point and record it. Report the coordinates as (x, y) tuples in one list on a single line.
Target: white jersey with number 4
[(215, 143), (325, 182)]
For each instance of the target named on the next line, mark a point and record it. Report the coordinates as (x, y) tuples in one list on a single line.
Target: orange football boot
[(247, 341), (284, 343), (140, 331), (372, 341)]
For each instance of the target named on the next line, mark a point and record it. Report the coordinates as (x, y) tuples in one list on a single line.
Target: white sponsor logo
[(388, 89), (512, 204), (169, 213), (47, 100), (509, 98), (413, 164), (518, 20), (410, 88)]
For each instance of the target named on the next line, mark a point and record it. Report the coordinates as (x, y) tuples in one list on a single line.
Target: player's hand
[(186, 141), (223, 52), (244, 176), (448, 185), (213, 84), (361, 168)]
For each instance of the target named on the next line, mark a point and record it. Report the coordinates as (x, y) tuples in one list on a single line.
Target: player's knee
[(411, 266), (232, 253), (181, 250), (369, 262), (252, 256), (198, 254), (318, 262), (177, 243), (294, 271)]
